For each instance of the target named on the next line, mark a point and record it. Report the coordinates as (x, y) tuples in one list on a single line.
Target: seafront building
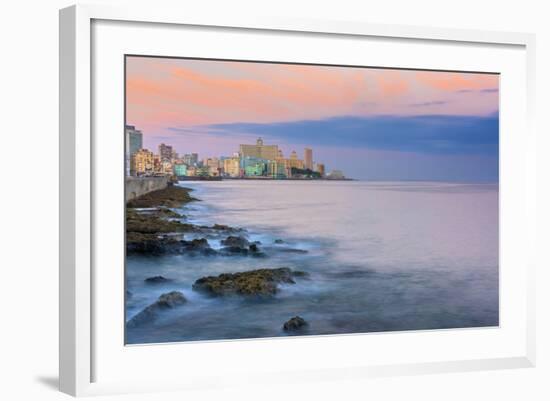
[(259, 150), (294, 162), (257, 160), (308, 158), (191, 159), (320, 167), (166, 152), (142, 162), (133, 143), (180, 170), (277, 169), (231, 167)]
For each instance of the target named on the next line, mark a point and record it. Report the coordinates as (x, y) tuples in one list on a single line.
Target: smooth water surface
[(382, 256)]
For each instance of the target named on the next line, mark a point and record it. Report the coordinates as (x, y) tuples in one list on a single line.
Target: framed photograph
[(290, 200)]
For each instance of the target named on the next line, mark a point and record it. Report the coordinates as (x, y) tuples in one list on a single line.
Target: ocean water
[(382, 256)]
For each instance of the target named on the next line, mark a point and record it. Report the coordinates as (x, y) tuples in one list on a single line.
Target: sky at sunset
[(371, 123)]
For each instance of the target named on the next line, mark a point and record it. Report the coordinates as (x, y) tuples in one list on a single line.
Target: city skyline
[(400, 124), (258, 160)]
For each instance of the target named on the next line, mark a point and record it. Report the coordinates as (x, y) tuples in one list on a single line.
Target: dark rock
[(234, 250), (291, 250), (150, 223), (300, 274), (171, 196), (294, 324), (157, 280), (233, 241), (278, 241), (197, 244), (152, 244), (255, 251), (129, 294), (252, 250), (167, 213), (223, 227), (171, 299), (166, 301), (261, 282)]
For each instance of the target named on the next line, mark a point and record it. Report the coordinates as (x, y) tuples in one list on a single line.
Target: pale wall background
[(28, 228)]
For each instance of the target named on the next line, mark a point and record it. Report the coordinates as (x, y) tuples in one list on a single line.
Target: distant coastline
[(258, 178)]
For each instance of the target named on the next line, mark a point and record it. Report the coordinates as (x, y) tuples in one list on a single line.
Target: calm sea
[(382, 256)]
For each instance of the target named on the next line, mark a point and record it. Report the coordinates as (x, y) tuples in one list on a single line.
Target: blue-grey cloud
[(432, 134)]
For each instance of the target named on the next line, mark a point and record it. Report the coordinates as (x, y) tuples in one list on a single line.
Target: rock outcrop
[(171, 196), (295, 324), (234, 241), (258, 283), (157, 280), (148, 315)]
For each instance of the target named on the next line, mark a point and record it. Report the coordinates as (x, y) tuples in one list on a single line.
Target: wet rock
[(234, 241), (171, 196), (261, 282), (157, 280), (278, 241), (198, 245), (171, 299), (300, 274), (251, 250), (148, 315), (166, 213), (155, 245), (151, 244), (129, 294), (295, 324), (150, 223), (217, 228), (292, 250), (223, 227), (234, 250)]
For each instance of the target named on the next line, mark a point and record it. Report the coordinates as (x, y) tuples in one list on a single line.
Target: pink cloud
[(165, 93), (452, 81)]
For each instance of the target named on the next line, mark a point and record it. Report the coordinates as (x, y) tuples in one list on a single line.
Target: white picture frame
[(79, 212)]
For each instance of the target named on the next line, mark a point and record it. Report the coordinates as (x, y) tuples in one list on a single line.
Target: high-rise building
[(134, 142), (166, 168), (157, 164), (191, 159), (231, 167), (276, 169), (180, 169), (321, 169), (165, 152), (294, 162), (259, 150), (308, 158), (142, 162)]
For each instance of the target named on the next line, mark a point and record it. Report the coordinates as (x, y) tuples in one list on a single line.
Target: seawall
[(138, 186)]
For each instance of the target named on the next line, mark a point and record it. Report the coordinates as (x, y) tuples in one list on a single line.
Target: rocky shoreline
[(154, 229)]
